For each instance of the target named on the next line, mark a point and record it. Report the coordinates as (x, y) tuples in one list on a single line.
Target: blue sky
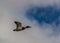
[(45, 14), (48, 14)]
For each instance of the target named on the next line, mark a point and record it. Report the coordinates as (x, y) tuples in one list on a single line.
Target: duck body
[(19, 26)]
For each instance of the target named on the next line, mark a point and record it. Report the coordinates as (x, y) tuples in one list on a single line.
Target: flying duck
[(19, 26)]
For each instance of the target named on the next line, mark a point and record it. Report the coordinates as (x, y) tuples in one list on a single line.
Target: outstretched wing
[(18, 25)]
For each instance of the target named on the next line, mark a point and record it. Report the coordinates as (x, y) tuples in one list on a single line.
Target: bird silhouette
[(19, 26)]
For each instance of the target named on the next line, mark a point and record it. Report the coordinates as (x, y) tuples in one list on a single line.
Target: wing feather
[(19, 25)]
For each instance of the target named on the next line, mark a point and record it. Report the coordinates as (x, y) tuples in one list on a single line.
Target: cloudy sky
[(41, 15)]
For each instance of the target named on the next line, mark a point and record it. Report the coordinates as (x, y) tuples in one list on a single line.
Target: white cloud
[(8, 14)]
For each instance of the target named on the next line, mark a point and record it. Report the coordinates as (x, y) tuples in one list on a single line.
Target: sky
[(30, 12)]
